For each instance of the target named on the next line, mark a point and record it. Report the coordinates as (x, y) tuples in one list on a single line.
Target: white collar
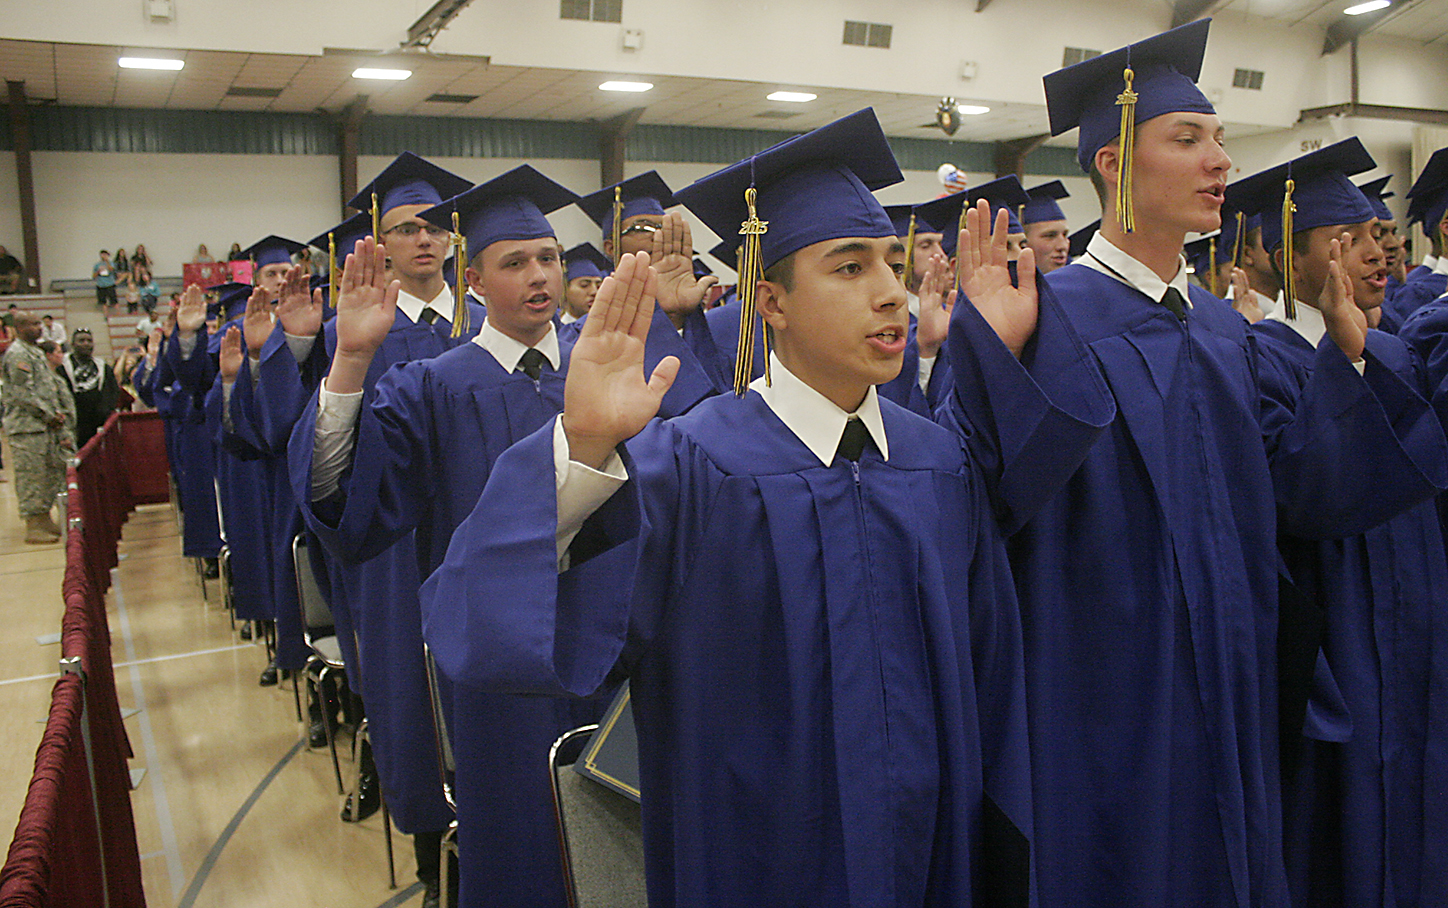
[(413, 306), (1430, 262), (813, 418), (1267, 304), (509, 352), (913, 300), (567, 318), (1440, 266), (1309, 322), (1106, 257)]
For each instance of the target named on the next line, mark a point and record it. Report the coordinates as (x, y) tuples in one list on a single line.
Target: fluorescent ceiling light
[(797, 97), (626, 86), (1368, 7), (391, 75), (150, 63), (972, 110)]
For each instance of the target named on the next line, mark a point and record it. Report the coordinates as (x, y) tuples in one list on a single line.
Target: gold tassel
[(1125, 209), (909, 253), (1212, 265), (460, 281), (616, 234), (1289, 289), (1240, 242), (376, 219), (750, 271), (332, 268)]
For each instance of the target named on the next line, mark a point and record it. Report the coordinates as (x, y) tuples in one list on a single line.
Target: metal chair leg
[(449, 848), (327, 725), (387, 832)]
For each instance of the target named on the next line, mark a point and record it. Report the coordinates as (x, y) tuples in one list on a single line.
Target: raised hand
[(298, 308), (256, 324), (191, 314), (937, 301), (1243, 299), (366, 308), (153, 347), (606, 400), (230, 354), (986, 281), (1346, 323), (672, 259)]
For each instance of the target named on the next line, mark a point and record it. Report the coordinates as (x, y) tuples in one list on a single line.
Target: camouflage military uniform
[(34, 395)]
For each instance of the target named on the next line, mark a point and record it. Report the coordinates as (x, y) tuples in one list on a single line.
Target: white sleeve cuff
[(186, 344), (335, 438), (301, 347), (926, 367), (581, 489)]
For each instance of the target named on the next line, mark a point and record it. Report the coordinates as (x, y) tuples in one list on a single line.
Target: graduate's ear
[(1107, 165), (1279, 256), (474, 277), (768, 299), (608, 248)]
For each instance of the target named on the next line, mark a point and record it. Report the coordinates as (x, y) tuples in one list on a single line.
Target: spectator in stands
[(93, 385), (104, 274), (12, 273), (144, 326), (52, 332), (123, 264), (150, 290), (133, 294), (140, 261), (202, 255), (35, 424), (235, 255)]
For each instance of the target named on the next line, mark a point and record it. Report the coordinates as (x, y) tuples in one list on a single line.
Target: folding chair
[(448, 768), (320, 636), (600, 832)]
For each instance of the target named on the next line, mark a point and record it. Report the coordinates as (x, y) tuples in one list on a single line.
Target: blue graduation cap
[(910, 221), (584, 260), (1108, 95), (1005, 192), (408, 180), (231, 299), (1082, 238), (804, 190), (1310, 191), (609, 207), (1042, 205), (728, 253), (1428, 198), (345, 235), (903, 217), (272, 250), (507, 207), (1377, 198)]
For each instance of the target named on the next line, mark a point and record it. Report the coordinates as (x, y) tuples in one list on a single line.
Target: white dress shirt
[(1106, 257), (336, 434), (816, 421), (1309, 323)]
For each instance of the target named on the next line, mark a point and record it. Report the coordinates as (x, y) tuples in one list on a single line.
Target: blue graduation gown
[(194, 464), (374, 602), (1414, 295), (824, 661), (423, 453), (702, 368), (723, 322), (1148, 589), (246, 521), (1354, 809)]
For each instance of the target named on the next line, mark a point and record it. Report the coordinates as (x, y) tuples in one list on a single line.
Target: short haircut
[(47, 347), (782, 273), (1299, 247)]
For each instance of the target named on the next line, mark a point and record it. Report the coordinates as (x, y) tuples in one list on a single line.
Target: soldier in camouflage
[(36, 426)]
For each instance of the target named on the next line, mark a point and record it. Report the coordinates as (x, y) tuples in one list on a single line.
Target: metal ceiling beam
[(1184, 11), (1348, 29), (421, 33), (350, 141), (1426, 115)]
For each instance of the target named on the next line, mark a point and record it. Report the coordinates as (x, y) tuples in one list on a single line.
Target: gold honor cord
[(1125, 209), (1212, 265), (332, 268), (749, 274), (376, 219), (909, 253), (616, 234), (1289, 286), (460, 281)]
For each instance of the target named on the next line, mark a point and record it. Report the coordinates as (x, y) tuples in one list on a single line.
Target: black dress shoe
[(431, 894), (269, 676), (245, 632), (210, 569), (363, 802), (317, 735)]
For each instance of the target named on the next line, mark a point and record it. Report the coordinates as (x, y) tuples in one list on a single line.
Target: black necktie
[(429, 316), (1173, 301), (853, 441), (532, 362)]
